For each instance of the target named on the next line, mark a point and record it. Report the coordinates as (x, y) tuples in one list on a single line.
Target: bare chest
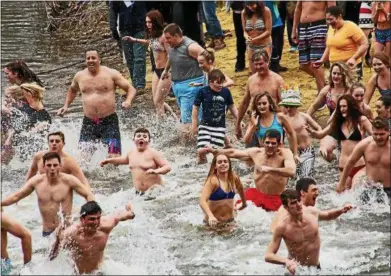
[(56, 193), (99, 84), (260, 85), (142, 161), (378, 158), (89, 246)]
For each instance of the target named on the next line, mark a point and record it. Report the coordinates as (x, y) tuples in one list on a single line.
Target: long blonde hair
[(213, 172), (348, 76), (35, 90), (15, 92)]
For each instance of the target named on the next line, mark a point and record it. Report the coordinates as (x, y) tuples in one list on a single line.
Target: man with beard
[(376, 152), (69, 165), (97, 84), (146, 164), (300, 232), (263, 80), (273, 165), (54, 191), (87, 239)]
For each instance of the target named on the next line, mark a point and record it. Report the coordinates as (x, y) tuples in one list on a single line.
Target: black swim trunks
[(105, 130), (159, 72), (375, 192)]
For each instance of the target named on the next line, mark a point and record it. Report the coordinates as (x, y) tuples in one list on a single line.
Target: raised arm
[(71, 95), (26, 190), (334, 213), (228, 81), (124, 215), (232, 153), (289, 169), (125, 85)]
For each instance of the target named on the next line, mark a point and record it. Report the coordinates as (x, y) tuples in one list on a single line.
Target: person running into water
[(218, 193), (146, 164), (273, 165), (349, 127), (215, 100), (56, 142), (154, 23), (54, 191), (86, 240), (300, 232), (357, 90), (97, 84), (9, 225), (380, 79), (291, 101), (375, 150)]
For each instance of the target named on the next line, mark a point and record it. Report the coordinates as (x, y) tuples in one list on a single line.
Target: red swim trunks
[(267, 202)]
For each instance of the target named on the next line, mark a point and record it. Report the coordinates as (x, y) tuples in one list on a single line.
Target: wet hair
[(356, 85), (386, 100), (259, 11), (15, 92), (142, 130), (51, 155), (23, 71), (209, 55), (90, 208), (304, 183), (213, 171), (348, 76), (57, 133), (173, 29), (272, 104), (334, 11), (272, 133), (382, 56), (260, 53), (216, 74), (353, 113), (157, 24), (35, 90), (380, 123), (289, 194)]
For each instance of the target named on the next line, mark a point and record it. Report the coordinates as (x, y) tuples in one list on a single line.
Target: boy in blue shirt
[(215, 100)]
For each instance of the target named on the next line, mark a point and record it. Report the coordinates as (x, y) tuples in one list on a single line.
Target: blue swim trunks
[(383, 36), (185, 96)]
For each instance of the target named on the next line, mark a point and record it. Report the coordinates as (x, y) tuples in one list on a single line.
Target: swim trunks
[(47, 233), (375, 192), (159, 72), (383, 36), (307, 162), (312, 40), (355, 170), (105, 130), (147, 198), (209, 135), (267, 202), (6, 266)]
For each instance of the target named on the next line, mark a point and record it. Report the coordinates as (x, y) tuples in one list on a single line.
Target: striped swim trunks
[(312, 41), (208, 135), (307, 162)]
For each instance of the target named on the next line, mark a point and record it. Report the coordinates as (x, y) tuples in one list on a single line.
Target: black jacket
[(131, 19)]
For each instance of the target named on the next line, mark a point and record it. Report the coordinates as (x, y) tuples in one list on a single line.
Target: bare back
[(313, 11)]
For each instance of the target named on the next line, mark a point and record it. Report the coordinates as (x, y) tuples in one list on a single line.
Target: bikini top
[(220, 194), (259, 25), (329, 100), (383, 92), (156, 45), (354, 136), (275, 125)]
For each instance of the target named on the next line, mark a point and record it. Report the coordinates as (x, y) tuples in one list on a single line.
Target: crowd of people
[(278, 139)]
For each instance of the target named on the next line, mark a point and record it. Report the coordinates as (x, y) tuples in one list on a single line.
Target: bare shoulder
[(324, 90), (281, 116), (363, 119), (287, 153), (372, 79), (255, 150), (68, 178), (277, 77), (107, 223)]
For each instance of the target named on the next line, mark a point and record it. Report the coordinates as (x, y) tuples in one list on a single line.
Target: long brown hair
[(348, 76), (157, 24), (23, 71), (354, 112), (272, 104), (213, 172), (259, 11)]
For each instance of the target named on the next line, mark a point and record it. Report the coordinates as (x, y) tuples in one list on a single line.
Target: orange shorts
[(267, 202)]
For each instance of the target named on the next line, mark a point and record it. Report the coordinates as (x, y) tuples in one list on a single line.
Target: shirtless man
[(299, 121), (376, 152), (9, 225), (97, 85), (87, 239), (300, 232), (273, 166), (264, 79), (309, 31), (146, 164), (69, 165), (54, 191)]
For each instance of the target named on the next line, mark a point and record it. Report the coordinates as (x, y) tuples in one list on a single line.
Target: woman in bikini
[(381, 78), (217, 196), (349, 126), (156, 41), (257, 29)]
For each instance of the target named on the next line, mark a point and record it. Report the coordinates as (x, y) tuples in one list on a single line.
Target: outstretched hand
[(346, 208)]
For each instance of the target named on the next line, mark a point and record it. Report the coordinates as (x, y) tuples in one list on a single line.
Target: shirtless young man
[(97, 84), (298, 121), (264, 79), (146, 164), (376, 152), (69, 165), (310, 31), (300, 232), (273, 166), (9, 225), (87, 239), (54, 191)]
